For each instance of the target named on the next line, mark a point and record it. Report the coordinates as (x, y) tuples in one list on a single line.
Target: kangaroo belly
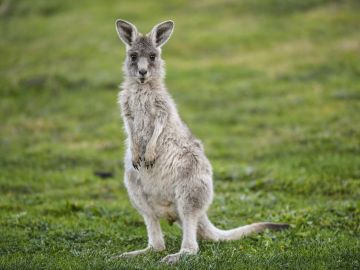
[(164, 209), (159, 193)]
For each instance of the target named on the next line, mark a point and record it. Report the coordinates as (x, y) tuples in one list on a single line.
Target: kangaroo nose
[(142, 72)]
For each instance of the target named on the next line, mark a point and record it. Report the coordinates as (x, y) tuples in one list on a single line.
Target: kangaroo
[(167, 174)]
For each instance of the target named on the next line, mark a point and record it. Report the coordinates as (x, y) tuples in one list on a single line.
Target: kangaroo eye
[(133, 57), (152, 57)]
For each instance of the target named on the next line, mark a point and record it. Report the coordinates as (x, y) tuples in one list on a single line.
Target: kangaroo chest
[(142, 108)]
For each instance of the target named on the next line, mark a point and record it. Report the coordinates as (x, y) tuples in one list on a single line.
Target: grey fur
[(167, 174)]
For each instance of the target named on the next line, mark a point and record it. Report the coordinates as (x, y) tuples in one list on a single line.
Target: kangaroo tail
[(207, 230)]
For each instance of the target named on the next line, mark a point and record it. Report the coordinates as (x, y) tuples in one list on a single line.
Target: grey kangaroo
[(167, 174)]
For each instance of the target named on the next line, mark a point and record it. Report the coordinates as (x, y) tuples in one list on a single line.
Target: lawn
[(271, 87)]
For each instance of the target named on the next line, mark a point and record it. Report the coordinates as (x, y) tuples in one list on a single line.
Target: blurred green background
[(271, 87)]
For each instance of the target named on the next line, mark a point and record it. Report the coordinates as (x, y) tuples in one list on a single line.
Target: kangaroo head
[(143, 61)]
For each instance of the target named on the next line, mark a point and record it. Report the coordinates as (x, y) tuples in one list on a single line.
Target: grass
[(271, 87)]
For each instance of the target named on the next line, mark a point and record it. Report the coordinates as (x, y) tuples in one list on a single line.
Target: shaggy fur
[(167, 174)]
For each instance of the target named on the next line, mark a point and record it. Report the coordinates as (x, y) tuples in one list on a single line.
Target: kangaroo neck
[(153, 85)]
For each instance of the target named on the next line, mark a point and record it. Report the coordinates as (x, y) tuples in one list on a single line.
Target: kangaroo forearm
[(132, 136), (153, 140), (158, 129)]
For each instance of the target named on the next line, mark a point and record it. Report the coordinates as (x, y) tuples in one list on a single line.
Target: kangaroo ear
[(127, 32), (161, 33)]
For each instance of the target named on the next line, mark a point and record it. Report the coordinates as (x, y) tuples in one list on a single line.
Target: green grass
[(271, 87)]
